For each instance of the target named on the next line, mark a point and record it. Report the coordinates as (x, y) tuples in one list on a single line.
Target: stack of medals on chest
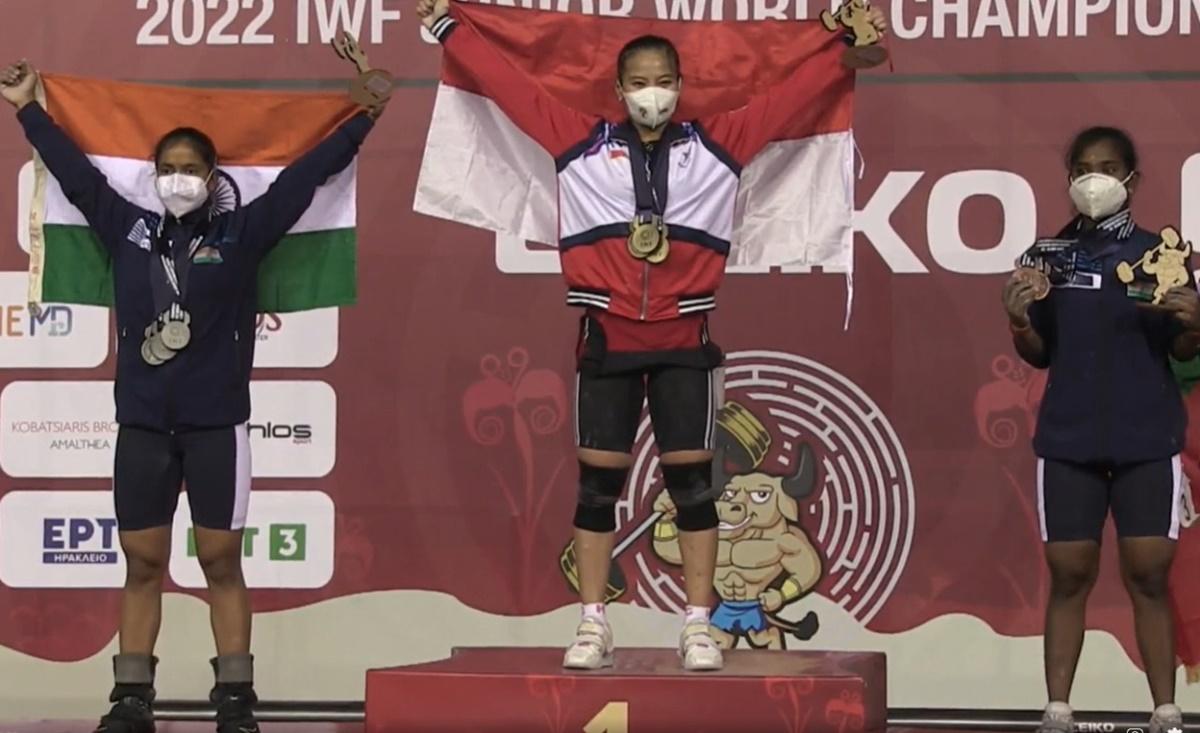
[(171, 332), (167, 336), (648, 239)]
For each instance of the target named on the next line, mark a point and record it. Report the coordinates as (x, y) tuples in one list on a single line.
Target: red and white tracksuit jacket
[(641, 306)]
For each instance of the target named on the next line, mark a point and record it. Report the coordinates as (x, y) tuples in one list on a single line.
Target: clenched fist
[(18, 84), (878, 19), (430, 11)]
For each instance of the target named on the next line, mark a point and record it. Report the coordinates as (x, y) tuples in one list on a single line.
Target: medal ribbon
[(169, 273)]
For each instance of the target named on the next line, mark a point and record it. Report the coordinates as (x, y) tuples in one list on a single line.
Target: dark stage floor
[(168, 727)]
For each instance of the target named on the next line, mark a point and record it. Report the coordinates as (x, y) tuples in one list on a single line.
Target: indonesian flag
[(796, 196), (256, 134)]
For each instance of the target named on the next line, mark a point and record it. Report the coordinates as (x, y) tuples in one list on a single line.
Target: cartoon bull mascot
[(765, 560)]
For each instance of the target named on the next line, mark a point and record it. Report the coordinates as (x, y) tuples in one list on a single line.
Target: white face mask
[(181, 194), (1097, 195), (651, 106)]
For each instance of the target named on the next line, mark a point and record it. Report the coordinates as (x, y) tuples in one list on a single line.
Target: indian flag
[(796, 197), (257, 134)]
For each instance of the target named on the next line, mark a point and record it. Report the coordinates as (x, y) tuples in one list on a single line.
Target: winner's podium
[(525, 690)]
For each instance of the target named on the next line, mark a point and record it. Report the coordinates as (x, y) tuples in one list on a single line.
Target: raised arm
[(552, 124), (82, 183), (271, 215), (795, 105)]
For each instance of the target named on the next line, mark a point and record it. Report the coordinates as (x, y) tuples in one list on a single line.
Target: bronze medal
[(1036, 278)]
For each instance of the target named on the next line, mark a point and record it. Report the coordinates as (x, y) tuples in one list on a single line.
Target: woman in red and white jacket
[(646, 214)]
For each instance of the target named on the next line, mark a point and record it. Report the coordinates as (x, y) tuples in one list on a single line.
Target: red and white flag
[(1184, 589), (796, 196)]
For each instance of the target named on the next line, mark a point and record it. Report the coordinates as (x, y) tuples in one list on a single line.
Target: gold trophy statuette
[(373, 87), (1166, 264), (851, 19)]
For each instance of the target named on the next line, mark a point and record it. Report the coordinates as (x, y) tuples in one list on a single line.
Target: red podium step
[(525, 690)]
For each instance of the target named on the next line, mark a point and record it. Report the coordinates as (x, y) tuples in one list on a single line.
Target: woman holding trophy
[(1104, 306)]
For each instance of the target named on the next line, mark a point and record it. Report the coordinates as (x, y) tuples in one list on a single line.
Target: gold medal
[(659, 255), (644, 238)]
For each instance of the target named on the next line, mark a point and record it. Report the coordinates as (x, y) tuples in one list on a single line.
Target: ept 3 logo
[(287, 542), (79, 541), (275, 542)]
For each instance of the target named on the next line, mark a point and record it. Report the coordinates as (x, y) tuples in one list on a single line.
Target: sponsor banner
[(305, 340), (293, 429), (68, 539), (66, 429), (57, 429), (288, 542), (59, 539), (59, 336)]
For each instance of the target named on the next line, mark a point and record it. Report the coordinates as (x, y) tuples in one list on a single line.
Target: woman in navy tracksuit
[(1111, 424), (185, 301)]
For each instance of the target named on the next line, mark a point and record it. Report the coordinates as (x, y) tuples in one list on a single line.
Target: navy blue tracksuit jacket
[(207, 384), (1111, 397)]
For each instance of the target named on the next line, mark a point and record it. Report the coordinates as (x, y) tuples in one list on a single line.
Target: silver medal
[(159, 349), (176, 335), (148, 355)]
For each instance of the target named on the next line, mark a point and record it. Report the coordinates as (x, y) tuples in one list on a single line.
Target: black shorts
[(151, 467), (1074, 499), (683, 407)]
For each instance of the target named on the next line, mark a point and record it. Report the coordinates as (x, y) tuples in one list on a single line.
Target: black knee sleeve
[(599, 491), (691, 489)]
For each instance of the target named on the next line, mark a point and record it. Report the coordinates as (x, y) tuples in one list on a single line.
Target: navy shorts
[(683, 406), (151, 468), (1074, 499)]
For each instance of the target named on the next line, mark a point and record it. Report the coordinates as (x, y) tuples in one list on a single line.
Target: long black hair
[(201, 143), (1118, 137), (648, 43)]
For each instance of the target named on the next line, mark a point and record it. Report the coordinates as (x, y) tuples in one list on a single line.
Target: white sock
[(1058, 710), (696, 614), (596, 611), (1167, 710)]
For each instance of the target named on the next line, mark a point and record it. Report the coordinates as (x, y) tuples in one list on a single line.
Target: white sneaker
[(593, 646), (1057, 718), (1166, 718), (698, 649)]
